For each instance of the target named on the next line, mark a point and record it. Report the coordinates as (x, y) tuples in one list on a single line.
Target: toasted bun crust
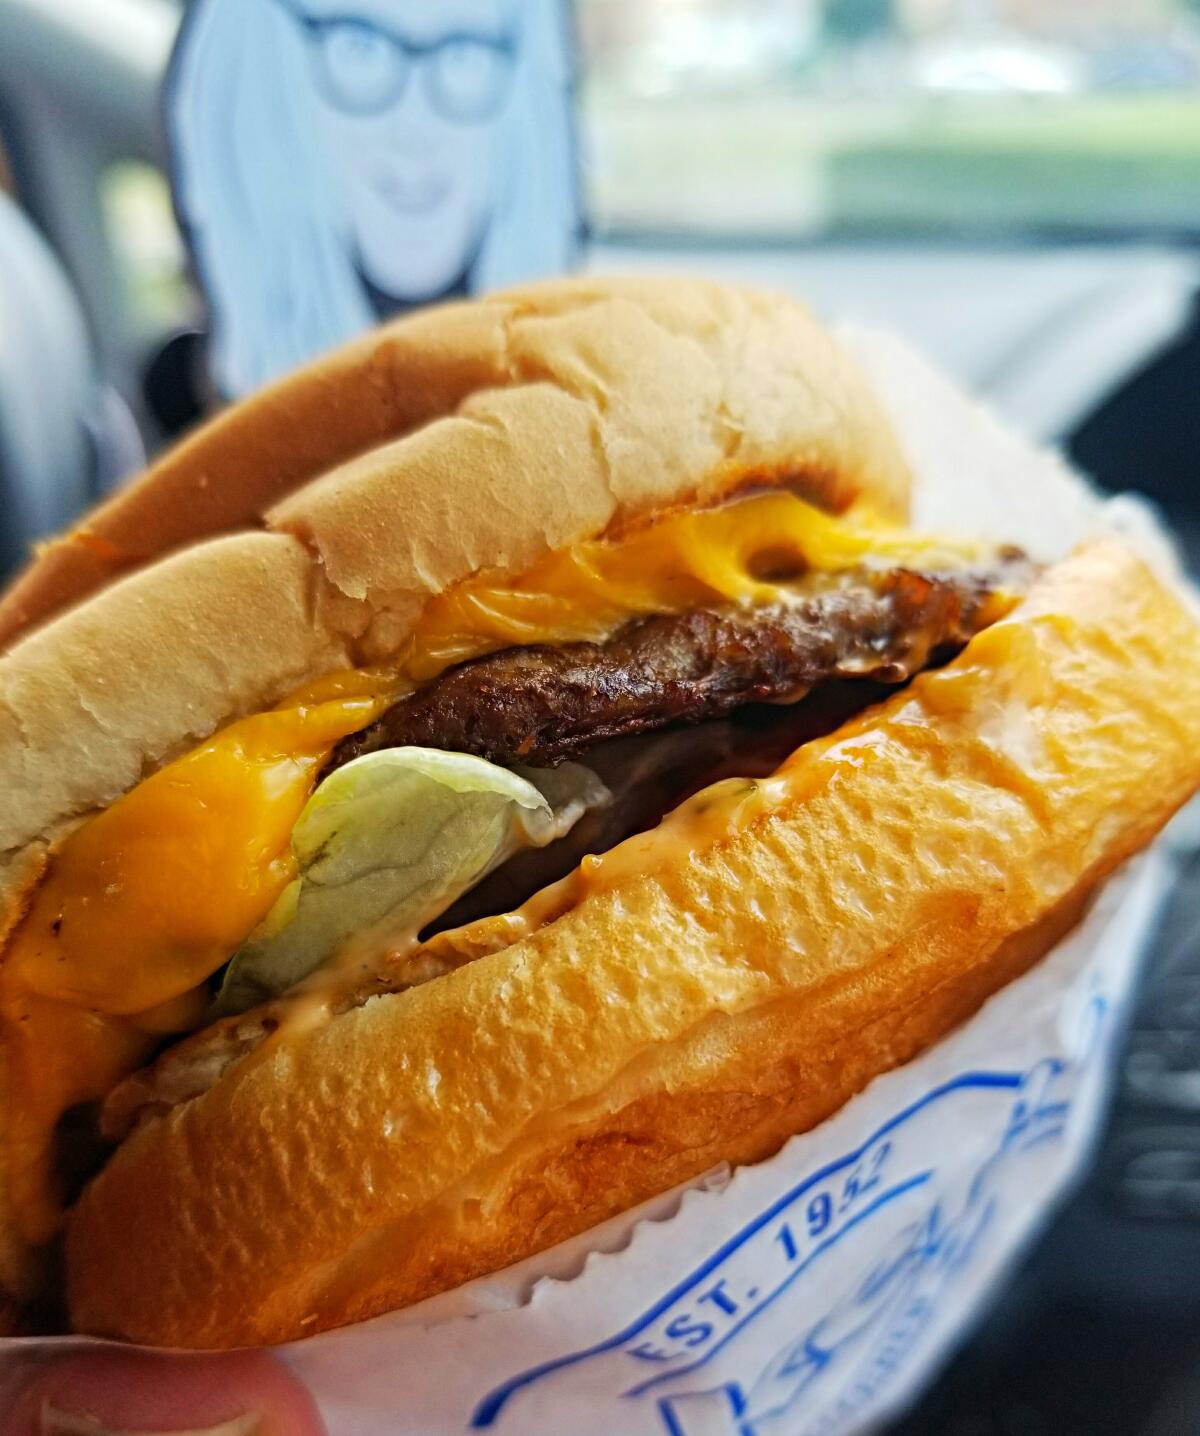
[(546, 416), (664, 1022)]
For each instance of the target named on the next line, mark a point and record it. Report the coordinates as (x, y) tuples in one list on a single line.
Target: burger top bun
[(305, 529)]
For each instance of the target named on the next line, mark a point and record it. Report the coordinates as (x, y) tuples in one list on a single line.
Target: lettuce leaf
[(388, 842)]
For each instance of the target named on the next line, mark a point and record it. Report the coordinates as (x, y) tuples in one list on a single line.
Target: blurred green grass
[(784, 165)]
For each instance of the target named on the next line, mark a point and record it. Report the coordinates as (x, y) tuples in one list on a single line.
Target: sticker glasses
[(365, 70)]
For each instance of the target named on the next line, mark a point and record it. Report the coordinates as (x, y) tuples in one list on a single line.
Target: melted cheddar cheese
[(142, 904), (685, 559), (146, 900)]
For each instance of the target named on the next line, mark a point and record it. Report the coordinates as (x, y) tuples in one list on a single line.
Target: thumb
[(247, 1393)]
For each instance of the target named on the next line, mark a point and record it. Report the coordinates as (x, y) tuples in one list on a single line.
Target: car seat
[(65, 436)]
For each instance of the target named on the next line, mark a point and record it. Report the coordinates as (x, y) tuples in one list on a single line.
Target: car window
[(135, 202), (900, 117)]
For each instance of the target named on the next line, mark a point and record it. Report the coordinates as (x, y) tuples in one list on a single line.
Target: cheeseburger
[(503, 770)]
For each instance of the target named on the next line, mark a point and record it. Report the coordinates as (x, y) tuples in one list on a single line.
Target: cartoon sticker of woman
[(336, 161)]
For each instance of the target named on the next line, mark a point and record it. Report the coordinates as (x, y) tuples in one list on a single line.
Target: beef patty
[(541, 705), (547, 704)]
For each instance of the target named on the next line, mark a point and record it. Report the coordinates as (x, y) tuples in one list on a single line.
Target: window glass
[(136, 204), (786, 118)]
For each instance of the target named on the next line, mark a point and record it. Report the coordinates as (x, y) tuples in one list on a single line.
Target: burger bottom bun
[(714, 987)]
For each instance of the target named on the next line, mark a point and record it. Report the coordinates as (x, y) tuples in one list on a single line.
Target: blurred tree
[(857, 19)]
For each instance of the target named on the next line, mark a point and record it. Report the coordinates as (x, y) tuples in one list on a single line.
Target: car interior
[(1083, 337)]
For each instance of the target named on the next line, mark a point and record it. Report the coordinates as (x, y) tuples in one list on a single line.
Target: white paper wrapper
[(817, 1290), (813, 1294)]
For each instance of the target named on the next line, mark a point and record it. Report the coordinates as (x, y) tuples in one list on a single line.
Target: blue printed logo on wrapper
[(338, 161), (890, 1227)]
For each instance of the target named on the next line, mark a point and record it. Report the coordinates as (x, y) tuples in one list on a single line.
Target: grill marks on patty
[(542, 705)]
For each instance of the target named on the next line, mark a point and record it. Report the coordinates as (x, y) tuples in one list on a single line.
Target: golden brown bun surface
[(546, 415), (899, 872)]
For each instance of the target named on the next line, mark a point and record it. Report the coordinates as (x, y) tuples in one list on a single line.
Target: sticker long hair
[(257, 202)]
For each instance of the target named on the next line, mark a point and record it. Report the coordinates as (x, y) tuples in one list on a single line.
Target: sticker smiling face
[(335, 161), (413, 101)]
